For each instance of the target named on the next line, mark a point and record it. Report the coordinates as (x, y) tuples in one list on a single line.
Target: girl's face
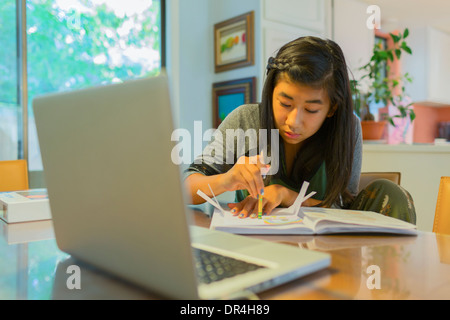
[(299, 111)]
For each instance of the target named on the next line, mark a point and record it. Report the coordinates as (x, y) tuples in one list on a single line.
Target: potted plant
[(382, 86), (371, 129)]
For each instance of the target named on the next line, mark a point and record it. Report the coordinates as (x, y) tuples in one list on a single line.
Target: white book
[(15, 233), (298, 220), (26, 205), (311, 221)]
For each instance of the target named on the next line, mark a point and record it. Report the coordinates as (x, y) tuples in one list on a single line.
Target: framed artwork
[(229, 95), (234, 43)]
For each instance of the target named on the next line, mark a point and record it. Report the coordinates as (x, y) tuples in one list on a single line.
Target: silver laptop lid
[(115, 194)]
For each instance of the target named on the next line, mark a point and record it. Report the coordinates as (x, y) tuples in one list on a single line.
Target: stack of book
[(22, 206)]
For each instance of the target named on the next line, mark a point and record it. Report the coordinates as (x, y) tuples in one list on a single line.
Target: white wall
[(190, 56), (416, 64), (188, 60), (351, 33), (195, 62)]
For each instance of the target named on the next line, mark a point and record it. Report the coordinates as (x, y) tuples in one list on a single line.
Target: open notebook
[(309, 221)]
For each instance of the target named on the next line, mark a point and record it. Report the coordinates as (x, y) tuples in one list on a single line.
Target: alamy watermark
[(74, 20), (74, 280), (226, 149), (374, 20), (374, 278)]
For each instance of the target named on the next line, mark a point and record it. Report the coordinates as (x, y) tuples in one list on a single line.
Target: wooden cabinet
[(304, 14), (286, 20)]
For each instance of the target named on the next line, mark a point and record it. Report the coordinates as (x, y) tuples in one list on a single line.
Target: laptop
[(118, 204)]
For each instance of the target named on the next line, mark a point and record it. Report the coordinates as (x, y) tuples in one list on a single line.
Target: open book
[(299, 220), (311, 221)]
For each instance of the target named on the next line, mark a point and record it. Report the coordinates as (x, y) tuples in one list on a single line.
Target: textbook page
[(325, 221), (311, 221), (280, 221)]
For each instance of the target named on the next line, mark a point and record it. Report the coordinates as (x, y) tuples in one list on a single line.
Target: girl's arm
[(245, 174), (198, 181)]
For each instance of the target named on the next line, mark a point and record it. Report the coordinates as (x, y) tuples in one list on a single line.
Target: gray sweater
[(221, 153)]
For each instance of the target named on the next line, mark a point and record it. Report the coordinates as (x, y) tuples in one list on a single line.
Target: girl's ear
[(332, 111)]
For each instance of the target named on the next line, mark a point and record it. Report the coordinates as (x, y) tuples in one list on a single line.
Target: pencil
[(260, 202), (260, 197)]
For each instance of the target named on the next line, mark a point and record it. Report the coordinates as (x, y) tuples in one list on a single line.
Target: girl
[(307, 98)]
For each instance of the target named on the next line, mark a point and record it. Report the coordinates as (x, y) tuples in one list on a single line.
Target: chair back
[(13, 175), (368, 177), (442, 214)]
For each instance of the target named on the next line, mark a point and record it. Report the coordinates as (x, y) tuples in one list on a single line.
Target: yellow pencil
[(260, 204)]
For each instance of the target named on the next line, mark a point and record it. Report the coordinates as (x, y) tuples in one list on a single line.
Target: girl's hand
[(246, 174), (273, 196)]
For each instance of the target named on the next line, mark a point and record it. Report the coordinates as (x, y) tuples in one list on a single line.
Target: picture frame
[(234, 45), (228, 95)]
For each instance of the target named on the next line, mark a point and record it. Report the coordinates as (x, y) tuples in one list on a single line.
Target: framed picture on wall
[(229, 95), (234, 43)]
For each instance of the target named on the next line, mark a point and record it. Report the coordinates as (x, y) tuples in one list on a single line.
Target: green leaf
[(406, 33), (407, 77), (383, 54), (402, 112), (391, 121), (394, 37), (390, 55), (407, 49), (398, 53)]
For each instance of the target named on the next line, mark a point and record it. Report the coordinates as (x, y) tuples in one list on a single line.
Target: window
[(73, 44), (10, 113)]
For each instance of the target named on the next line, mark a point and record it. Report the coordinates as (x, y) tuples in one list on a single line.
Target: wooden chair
[(442, 214), (13, 175), (368, 177)]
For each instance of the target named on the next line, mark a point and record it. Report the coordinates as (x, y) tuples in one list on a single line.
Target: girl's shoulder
[(243, 117)]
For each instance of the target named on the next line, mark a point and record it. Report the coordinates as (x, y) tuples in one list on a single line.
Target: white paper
[(296, 206), (210, 201), (276, 217), (294, 209)]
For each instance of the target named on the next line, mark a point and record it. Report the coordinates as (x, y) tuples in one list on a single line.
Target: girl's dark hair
[(318, 63)]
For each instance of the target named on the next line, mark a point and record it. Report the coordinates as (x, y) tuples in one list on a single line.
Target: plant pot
[(373, 130)]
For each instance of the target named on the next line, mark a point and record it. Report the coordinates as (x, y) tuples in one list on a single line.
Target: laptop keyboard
[(212, 267)]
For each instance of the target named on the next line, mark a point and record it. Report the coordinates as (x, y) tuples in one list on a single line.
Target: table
[(403, 267)]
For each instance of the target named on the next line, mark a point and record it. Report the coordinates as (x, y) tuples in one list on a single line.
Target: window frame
[(22, 80)]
